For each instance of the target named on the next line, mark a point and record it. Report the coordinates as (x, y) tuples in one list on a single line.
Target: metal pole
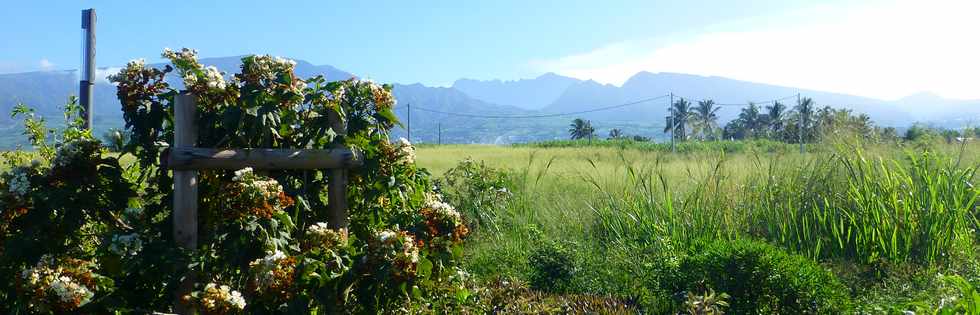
[(800, 132), (409, 122), (87, 75), (673, 123), (440, 133)]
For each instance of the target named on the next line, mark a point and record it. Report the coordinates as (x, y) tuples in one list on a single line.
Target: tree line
[(804, 122)]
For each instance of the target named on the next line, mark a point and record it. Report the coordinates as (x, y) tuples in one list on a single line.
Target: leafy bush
[(78, 219), (553, 266), (478, 191), (761, 278)]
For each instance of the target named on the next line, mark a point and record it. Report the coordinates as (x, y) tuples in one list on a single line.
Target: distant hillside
[(547, 94), (723, 90), (525, 93)]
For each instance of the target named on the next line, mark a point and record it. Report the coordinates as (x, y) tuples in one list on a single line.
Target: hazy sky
[(883, 49)]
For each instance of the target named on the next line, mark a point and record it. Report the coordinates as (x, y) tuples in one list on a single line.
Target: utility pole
[(410, 122), (672, 123), (800, 132), (440, 133), (87, 71), (591, 131)]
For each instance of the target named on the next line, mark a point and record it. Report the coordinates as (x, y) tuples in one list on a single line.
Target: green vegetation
[(743, 226)]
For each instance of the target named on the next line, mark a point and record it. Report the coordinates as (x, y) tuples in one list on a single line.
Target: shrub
[(760, 278), (479, 192), (553, 266), (78, 218)]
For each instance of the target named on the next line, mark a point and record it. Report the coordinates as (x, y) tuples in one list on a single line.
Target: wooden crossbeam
[(185, 159), (189, 158)]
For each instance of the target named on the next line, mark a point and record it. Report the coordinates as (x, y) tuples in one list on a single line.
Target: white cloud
[(101, 75), (46, 64), (884, 51)]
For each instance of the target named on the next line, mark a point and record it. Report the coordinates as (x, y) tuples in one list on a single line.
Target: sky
[(874, 48)]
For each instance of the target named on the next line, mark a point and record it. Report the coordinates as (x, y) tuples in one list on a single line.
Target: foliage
[(707, 303), (640, 208), (761, 279), (265, 245), (57, 204), (553, 266), (761, 145), (616, 133), (480, 192), (581, 129), (681, 115), (869, 209)]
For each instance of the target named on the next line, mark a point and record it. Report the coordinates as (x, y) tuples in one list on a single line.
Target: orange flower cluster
[(58, 285), (253, 195), (397, 251), (273, 276)]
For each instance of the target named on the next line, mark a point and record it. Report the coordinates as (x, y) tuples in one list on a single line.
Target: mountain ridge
[(547, 93)]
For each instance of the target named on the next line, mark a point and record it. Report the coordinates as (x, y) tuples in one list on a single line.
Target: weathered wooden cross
[(186, 159)]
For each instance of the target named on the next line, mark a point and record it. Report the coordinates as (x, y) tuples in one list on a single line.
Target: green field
[(893, 227)]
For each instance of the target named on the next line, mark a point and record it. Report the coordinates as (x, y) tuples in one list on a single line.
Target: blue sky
[(436, 42)]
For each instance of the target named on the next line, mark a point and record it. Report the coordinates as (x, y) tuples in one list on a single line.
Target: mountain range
[(549, 93)]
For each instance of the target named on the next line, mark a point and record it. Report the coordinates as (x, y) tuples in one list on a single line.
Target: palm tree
[(680, 113), (615, 133), (580, 129), (751, 120), (706, 115), (804, 113), (777, 116)]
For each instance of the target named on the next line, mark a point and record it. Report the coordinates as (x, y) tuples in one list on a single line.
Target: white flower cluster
[(132, 68), (320, 235), (184, 55), (196, 77), (212, 79), (247, 180), (272, 273), (406, 150), (240, 174), (53, 282), (126, 245), (221, 297), (19, 183), (268, 66), (398, 246), (445, 212), (68, 151), (139, 63)]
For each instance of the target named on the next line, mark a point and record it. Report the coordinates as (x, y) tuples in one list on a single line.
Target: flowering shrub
[(479, 191), (59, 286), (320, 236), (394, 252), (81, 232), (217, 299), (273, 275), (253, 195)]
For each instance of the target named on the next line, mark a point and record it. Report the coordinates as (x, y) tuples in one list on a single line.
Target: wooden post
[(185, 191), (185, 181), (337, 180)]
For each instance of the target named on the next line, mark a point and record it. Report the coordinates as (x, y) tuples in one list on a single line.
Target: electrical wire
[(540, 115)]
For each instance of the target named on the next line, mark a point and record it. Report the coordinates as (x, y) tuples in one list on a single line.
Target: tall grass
[(839, 205), (761, 145), (887, 219)]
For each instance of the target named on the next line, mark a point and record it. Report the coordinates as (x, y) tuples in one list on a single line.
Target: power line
[(737, 104), (540, 115)]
